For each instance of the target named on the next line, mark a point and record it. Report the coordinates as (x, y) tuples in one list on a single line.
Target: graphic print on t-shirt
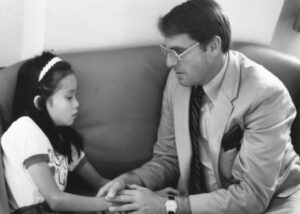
[(59, 167)]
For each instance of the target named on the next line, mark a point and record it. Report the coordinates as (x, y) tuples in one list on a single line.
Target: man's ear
[(215, 45), (37, 102)]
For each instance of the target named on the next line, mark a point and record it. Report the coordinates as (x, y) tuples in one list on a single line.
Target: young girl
[(40, 146)]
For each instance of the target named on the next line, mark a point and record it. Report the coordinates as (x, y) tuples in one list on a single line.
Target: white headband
[(49, 65)]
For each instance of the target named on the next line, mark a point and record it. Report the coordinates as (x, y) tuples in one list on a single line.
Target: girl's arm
[(58, 200), (91, 176)]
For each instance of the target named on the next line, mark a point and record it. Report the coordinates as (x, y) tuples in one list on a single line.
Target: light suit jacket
[(266, 165)]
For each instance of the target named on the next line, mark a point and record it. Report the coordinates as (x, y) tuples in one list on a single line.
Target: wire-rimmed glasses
[(174, 55)]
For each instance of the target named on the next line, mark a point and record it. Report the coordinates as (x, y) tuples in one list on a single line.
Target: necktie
[(197, 183)]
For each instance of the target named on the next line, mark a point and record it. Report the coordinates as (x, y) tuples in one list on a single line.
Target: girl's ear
[(37, 101)]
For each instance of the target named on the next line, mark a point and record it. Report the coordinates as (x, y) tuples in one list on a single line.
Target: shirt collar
[(212, 88)]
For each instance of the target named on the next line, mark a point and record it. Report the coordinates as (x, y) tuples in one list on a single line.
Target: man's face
[(194, 66)]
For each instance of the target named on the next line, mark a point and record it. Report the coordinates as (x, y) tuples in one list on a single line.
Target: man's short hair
[(200, 19)]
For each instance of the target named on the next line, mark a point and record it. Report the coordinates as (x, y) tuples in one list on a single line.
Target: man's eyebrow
[(177, 48)]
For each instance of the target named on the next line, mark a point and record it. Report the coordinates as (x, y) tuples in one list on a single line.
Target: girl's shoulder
[(24, 122), (23, 126), (24, 135)]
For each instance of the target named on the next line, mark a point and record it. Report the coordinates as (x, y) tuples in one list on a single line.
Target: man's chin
[(183, 83)]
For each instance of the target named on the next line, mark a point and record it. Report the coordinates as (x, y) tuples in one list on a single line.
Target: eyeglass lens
[(171, 53)]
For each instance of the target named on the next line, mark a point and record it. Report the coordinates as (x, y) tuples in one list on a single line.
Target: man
[(237, 156)]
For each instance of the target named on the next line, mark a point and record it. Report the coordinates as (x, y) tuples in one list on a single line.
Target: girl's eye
[(69, 98)]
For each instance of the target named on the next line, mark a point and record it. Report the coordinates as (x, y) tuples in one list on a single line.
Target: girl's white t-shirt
[(24, 144)]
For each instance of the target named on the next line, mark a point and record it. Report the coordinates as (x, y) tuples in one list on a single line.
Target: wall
[(11, 16), (33, 27), (76, 25), (98, 24), (285, 38), (105, 24), (252, 20)]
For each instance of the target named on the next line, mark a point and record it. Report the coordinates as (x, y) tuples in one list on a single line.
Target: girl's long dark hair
[(28, 87)]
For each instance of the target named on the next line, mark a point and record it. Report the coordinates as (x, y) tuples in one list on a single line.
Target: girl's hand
[(111, 188)]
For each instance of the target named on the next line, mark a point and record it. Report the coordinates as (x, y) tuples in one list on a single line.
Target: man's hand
[(111, 189), (138, 200), (167, 191)]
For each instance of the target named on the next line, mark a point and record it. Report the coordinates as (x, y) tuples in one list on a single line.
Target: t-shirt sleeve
[(27, 143), (36, 159), (35, 147), (78, 160)]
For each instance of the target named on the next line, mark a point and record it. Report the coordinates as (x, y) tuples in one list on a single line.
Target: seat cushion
[(120, 93), (7, 87)]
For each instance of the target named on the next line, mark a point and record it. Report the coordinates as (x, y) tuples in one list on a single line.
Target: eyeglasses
[(174, 55)]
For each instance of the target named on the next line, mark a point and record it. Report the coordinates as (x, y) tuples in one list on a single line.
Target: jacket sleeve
[(163, 170), (261, 163)]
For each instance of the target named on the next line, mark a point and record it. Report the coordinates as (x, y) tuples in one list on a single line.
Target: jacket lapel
[(182, 134), (222, 110), (216, 129)]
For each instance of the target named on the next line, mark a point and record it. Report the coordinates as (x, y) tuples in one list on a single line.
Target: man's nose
[(170, 62)]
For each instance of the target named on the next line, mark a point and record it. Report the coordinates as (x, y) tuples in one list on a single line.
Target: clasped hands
[(133, 198)]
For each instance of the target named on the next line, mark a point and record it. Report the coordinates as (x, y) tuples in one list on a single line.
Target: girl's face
[(62, 105)]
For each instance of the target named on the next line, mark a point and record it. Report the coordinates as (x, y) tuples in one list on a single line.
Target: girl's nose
[(76, 103)]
